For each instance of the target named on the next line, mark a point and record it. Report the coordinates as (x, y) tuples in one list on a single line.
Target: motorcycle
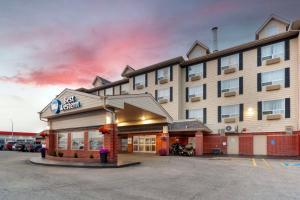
[(176, 149), (188, 150)]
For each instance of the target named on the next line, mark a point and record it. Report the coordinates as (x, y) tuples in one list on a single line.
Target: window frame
[(200, 65), (271, 112), (143, 82), (72, 137), (162, 70), (281, 55), (167, 91), (232, 88), (101, 136), (193, 87), (234, 115), (58, 140), (236, 65), (201, 110), (281, 82)]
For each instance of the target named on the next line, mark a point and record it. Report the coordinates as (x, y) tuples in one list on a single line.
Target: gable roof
[(126, 70), (105, 81), (270, 18), (165, 63), (197, 43)]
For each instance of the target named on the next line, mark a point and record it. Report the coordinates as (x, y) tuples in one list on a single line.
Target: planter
[(103, 157)]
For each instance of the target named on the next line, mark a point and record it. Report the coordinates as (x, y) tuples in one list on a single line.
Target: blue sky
[(46, 46)]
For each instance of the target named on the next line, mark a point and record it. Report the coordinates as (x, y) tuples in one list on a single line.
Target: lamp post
[(12, 129)]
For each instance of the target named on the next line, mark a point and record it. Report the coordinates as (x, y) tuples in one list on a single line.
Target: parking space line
[(267, 164), (254, 162)]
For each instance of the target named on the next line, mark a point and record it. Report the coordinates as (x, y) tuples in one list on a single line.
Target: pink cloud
[(102, 51)]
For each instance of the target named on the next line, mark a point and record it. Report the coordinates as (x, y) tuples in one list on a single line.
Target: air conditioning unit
[(230, 129)]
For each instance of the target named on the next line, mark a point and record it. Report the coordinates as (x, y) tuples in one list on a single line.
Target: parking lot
[(157, 178)]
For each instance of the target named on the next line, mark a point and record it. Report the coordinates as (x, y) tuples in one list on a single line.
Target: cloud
[(101, 50)]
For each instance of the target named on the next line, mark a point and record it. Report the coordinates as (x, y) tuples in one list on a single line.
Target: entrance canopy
[(74, 109)]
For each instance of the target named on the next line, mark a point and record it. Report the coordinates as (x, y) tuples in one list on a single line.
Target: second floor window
[(272, 78), (124, 88), (230, 61), (196, 114), (230, 85), (140, 80), (272, 51), (163, 73), (163, 94), (109, 91), (195, 70), (196, 91), (231, 111), (273, 107)]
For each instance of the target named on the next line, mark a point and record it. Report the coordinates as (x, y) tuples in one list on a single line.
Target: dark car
[(20, 146), (8, 145)]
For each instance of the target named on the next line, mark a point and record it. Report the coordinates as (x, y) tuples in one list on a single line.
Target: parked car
[(20, 146), (32, 147), (9, 146)]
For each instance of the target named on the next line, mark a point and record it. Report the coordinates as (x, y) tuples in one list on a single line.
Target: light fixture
[(117, 121), (143, 118), (250, 112)]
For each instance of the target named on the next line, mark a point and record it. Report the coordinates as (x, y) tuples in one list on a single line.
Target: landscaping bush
[(54, 153), (60, 154), (75, 155), (91, 156)]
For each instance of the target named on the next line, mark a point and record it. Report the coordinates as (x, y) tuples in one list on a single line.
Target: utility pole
[(12, 129)]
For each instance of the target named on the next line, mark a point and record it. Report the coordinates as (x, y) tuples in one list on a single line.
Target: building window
[(109, 91), (195, 70), (196, 114), (77, 140), (196, 91), (163, 94), (163, 73), (272, 51), (144, 144), (273, 107), (62, 141), (272, 78), (231, 111), (95, 140), (125, 89), (140, 80), (230, 85), (230, 61)]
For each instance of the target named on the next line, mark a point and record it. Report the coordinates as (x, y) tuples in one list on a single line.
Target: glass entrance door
[(145, 144)]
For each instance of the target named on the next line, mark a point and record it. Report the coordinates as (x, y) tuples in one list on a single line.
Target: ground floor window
[(95, 140), (62, 140), (144, 143), (124, 144), (77, 140)]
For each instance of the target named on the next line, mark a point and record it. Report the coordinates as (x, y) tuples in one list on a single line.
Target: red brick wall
[(214, 141), (246, 145), (284, 145)]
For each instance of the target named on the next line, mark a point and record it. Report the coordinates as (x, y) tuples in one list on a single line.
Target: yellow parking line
[(267, 164), (254, 162)]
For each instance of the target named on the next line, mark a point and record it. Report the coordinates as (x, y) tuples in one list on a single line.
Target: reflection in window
[(273, 107), (232, 60), (230, 85), (95, 140), (77, 140), (62, 140), (272, 51), (230, 111), (274, 77)]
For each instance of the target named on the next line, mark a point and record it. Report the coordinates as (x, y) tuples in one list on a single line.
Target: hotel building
[(242, 100)]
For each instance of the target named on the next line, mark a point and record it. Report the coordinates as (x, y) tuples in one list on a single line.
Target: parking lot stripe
[(267, 164), (254, 162)]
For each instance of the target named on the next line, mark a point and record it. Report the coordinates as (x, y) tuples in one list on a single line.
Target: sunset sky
[(46, 46)]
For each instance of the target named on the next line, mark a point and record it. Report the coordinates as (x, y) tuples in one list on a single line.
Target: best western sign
[(69, 103)]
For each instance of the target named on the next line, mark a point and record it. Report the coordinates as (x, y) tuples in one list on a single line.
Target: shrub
[(75, 155), (162, 152), (91, 156), (60, 154)]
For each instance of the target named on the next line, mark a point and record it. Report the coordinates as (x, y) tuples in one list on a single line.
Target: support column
[(50, 142), (165, 142), (111, 142), (198, 143)]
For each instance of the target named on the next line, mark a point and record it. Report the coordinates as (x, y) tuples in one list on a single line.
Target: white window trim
[(231, 115)]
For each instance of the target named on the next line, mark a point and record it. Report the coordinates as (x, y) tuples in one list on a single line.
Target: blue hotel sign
[(69, 103)]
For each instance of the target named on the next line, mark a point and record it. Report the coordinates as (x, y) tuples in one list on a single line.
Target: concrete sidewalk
[(46, 162)]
